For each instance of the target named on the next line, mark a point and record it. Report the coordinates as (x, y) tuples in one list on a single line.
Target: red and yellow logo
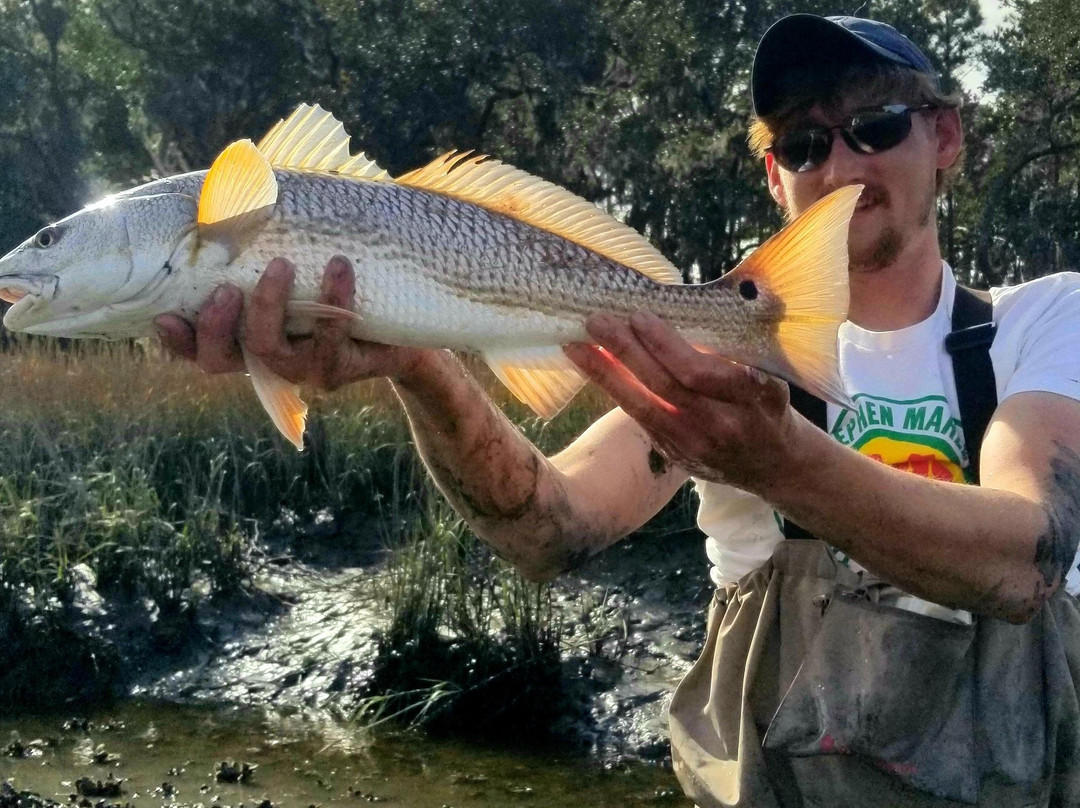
[(916, 458)]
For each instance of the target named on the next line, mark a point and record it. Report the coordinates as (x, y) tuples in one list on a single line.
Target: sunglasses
[(868, 131)]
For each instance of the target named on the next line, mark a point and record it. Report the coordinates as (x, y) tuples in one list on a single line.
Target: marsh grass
[(470, 645), (157, 479)]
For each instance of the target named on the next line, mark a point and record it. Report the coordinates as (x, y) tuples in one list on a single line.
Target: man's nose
[(844, 165)]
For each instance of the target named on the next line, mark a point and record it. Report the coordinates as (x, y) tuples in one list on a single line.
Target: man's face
[(897, 205)]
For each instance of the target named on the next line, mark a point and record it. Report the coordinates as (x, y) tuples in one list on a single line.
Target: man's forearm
[(494, 477), (990, 551)]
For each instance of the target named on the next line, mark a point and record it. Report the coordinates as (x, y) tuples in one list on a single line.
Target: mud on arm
[(543, 515)]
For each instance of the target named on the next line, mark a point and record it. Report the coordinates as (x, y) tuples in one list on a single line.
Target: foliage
[(149, 482), (637, 105), (1029, 219)]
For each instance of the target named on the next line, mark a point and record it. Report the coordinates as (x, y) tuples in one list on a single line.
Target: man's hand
[(716, 419), (328, 358)]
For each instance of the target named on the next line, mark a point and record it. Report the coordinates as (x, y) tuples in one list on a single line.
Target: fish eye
[(46, 238)]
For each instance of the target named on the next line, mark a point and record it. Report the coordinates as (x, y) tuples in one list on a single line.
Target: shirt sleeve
[(1037, 346)]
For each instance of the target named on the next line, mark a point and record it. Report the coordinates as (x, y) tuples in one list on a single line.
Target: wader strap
[(813, 409), (969, 346), (976, 389)]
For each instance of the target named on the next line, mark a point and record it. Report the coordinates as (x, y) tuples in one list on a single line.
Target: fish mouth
[(24, 293)]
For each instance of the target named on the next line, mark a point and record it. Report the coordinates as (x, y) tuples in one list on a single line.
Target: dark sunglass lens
[(803, 149), (877, 131)]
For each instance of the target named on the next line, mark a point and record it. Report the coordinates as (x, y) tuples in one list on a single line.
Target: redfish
[(466, 253)]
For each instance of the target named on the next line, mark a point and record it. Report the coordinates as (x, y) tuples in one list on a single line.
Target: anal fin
[(543, 378), (280, 399)]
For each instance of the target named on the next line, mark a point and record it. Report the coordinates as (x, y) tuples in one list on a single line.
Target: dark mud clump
[(10, 798)]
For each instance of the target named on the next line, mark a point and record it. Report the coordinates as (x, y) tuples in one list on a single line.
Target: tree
[(41, 141), (1029, 221)]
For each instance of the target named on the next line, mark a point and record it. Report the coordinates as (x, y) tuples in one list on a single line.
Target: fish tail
[(805, 268)]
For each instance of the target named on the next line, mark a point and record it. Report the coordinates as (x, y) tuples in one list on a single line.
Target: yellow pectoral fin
[(238, 196), (280, 399), (542, 378), (240, 181)]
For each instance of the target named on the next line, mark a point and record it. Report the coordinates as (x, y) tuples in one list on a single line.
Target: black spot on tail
[(748, 289)]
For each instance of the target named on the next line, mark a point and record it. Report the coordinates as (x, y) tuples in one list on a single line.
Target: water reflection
[(183, 756)]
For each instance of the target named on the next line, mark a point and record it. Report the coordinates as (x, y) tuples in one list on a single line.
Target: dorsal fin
[(501, 188), (312, 139)]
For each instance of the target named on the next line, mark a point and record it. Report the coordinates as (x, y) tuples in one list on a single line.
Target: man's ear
[(776, 188), (950, 137)]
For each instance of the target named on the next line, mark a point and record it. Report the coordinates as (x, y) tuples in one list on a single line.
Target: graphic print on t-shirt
[(920, 436)]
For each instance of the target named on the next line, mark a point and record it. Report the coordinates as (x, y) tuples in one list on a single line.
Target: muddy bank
[(300, 636)]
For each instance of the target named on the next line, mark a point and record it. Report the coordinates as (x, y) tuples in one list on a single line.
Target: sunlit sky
[(993, 14)]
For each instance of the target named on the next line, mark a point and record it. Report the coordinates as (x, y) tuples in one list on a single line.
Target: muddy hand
[(328, 358), (716, 419)]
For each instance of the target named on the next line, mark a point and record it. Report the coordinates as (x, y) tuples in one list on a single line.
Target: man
[(820, 683)]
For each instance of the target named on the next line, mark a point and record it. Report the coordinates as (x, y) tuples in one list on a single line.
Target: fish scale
[(465, 253)]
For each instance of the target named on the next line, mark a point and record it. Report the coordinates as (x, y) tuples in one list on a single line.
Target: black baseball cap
[(802, 40)]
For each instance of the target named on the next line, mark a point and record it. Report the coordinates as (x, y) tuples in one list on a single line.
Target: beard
[(881, 253)]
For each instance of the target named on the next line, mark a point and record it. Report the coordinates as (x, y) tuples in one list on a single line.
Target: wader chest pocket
[(891, 686)]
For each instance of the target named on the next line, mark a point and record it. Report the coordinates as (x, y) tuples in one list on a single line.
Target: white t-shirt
[(902, 384)]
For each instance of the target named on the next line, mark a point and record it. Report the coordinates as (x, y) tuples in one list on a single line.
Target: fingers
[(329, 358), (619, 340), (703, 373), (602, 368), (264, 323), (333, 353), (211, 344), (670, 367), (217, 350), (176, 334), (675, 391)]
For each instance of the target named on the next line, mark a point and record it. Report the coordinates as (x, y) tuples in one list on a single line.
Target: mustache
[(873, 195)]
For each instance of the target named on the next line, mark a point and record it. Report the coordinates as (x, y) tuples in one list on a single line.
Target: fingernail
[(223, 296), (338, 266), (644, 317), (276, 270), (760, 377), (579, 351), (600, 322)]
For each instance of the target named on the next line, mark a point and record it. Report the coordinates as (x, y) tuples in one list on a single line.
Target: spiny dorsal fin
[(504, 189), (240, 181), (312, 139)]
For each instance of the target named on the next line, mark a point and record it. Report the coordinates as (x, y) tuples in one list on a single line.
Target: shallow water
[(169, 755)]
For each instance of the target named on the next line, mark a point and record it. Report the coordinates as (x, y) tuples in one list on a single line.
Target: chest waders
[(813, 691)]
